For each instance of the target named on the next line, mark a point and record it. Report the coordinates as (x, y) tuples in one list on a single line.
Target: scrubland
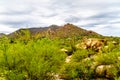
[(30, 58)]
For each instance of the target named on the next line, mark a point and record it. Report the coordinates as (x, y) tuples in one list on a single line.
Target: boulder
[(91, 43), (105, 71)]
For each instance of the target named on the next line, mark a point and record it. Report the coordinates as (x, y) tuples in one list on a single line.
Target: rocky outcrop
[(92, 43)]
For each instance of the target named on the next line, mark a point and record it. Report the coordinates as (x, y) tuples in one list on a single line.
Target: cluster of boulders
[(92, 43)]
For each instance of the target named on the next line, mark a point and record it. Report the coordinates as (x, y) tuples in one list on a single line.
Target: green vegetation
[(36, 60), (29, 58)]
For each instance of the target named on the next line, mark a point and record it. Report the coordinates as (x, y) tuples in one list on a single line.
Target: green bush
[(82, 54), (78, 70), (107, 59), (34, 60)]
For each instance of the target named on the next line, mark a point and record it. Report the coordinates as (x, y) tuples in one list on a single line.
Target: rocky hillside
[(33, 31), (68, 30)]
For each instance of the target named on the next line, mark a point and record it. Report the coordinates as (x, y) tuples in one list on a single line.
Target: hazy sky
[(102, 16)]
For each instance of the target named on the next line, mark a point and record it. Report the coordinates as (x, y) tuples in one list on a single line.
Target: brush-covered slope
[(53, 31)]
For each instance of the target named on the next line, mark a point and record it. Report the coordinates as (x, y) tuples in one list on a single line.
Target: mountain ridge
[(65, 31)]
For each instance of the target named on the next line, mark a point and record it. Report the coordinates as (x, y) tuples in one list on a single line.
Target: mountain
[(65, 31), (2, 34), (34, 31), (70, 30), (42, 29)]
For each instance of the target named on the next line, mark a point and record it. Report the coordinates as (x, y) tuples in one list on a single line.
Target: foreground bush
[(36, 60)]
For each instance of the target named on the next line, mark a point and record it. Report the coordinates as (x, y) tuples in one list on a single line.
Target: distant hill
[(68, 30), (2, 34), (34, 31)]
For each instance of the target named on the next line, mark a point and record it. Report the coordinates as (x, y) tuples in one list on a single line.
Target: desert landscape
[(59, 53)]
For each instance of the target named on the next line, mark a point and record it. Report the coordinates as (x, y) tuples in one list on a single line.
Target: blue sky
[(101, 16)]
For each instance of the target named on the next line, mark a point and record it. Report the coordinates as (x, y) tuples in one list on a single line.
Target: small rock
[(68, 59)]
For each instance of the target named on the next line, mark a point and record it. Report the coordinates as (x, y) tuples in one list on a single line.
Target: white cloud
[(6, 29), (107, 29), (116, 25), (116, 20)]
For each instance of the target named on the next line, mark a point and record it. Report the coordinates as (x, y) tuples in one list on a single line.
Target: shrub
[(106, 59), (34, 60), (82, 54), (75, 70)]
